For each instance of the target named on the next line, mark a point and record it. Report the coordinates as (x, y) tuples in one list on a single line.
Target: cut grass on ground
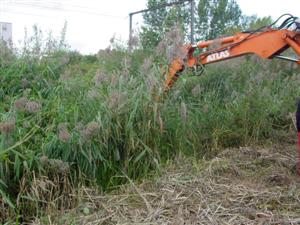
[(247, 185)]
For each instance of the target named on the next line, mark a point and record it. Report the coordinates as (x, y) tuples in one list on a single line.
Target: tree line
[(213, 18)]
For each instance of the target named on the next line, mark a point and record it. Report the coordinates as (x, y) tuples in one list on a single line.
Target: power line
[(76, 6), (50, 3), (66, 10), (49, 7), (24, 13), (161, 6)]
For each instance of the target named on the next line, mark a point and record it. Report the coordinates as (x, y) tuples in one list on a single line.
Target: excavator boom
[(267, 43)]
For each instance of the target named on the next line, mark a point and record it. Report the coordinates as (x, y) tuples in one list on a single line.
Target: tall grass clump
[(69, 120)]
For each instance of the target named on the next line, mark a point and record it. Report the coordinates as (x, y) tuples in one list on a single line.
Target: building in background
[(6, 31)]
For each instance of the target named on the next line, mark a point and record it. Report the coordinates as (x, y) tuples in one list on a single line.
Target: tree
[(254, 22), (160, 21), (249, 23), (216, 16)]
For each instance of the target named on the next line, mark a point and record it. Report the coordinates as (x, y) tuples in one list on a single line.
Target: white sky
[(91, 23)]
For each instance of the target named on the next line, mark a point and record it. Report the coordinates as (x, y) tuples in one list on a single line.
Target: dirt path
[(246, 185)]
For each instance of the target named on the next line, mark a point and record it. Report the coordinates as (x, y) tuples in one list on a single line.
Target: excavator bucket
[(175, 67)]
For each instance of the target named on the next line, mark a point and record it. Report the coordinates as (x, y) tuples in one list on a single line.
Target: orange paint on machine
[(267, 42)]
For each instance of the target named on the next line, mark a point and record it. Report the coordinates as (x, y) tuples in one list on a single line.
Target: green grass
[(83, 131)]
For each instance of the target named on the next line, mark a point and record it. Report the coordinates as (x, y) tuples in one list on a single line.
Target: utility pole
[(192, 21), (130, 31), (160, 7)]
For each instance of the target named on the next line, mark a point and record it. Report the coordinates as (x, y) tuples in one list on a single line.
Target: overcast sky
[(91, 23)]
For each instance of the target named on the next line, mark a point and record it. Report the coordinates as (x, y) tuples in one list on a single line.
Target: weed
[(88, 119)]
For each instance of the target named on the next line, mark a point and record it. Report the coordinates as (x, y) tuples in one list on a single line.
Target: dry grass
[(241, 186)]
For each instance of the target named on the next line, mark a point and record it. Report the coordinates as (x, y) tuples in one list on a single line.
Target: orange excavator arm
[(266, 42)]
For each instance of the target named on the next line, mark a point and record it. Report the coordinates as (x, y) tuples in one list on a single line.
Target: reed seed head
[(183, 111), (116, 100), (21, 103), (99, 78), (7, 127), (63, 133), (134, 41), (146, 65), (196, 91), (64, 136), (25, 83), (32, 107), (91, 130)]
